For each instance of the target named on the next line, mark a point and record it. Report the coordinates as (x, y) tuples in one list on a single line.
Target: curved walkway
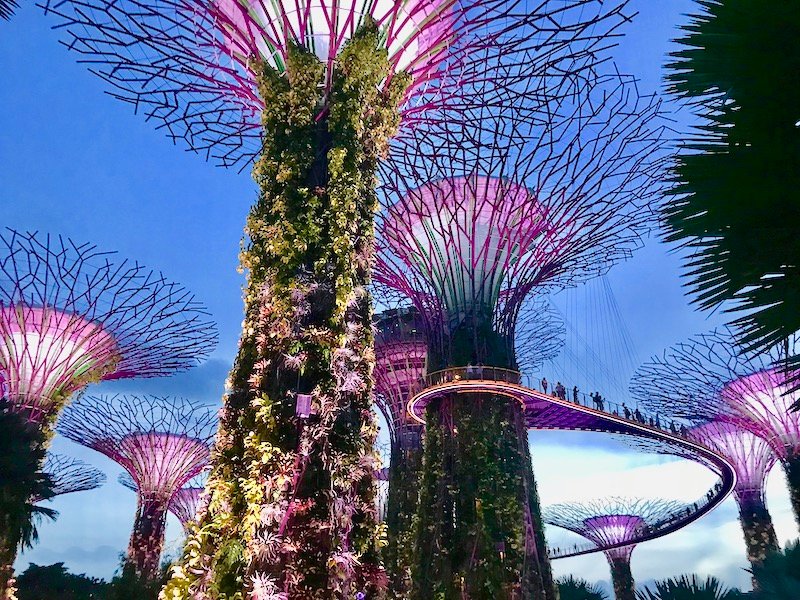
[(545, 411)]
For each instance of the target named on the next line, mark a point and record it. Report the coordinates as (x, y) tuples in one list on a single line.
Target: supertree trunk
[(147, 538), (479, 532), (759, 532), (791, 466), (406, 463), (292, 495), (622, 578)]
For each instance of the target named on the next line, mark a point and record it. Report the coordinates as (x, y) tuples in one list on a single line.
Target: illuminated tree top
[(184, 502), (709, 378), (71, 314), (751, 456), (554, 195), (161, 442), (70, 475), (612, 521), (192, 65)]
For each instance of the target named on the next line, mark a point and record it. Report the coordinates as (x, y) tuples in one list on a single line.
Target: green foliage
[(470, 526), (778, 577), (570, 588), (688, 587), (54, 581), (22, 452), (736, 202), (277, 517), (127, 585)]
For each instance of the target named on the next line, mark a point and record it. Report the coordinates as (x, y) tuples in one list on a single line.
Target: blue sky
[(77, 162)]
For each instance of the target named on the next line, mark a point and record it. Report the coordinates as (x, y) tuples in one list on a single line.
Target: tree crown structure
[(609, 522), (193, 66), (71, 314), (475, 222), (184, 503), (161, 442), (709, 377), (751, 456), (70, 475)]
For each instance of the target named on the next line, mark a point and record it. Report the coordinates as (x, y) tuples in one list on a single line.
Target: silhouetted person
[(626, 411), (672, 427), (544, 385), (658, 423), (575, 394), (638, 416)]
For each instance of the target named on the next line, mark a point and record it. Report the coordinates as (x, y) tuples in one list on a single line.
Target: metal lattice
[(70, 475), (189, 64), (71, 314)]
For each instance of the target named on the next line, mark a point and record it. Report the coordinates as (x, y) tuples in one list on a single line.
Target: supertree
[(184, 504), (71, 314), (161, 442), (475, 223), (611, 523), (709, 377), (68, 475), (316, 89), (752, 459), (401, 351)]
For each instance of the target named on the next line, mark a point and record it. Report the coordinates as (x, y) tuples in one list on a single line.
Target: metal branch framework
[(191, 65), (613, 520), (71, 314), (475, 222), (609, 522), (184, 503), (161, 442), (710, 378), (7, 8), (70, 475)]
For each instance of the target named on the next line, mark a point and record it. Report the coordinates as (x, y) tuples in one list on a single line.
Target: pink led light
[(416, 33), (751, 456), (762, 403), (608, 530), (47, 355), (461, 236), (161, 463), (184, 504)]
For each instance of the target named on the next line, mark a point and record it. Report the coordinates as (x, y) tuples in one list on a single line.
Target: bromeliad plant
[(291, 511)]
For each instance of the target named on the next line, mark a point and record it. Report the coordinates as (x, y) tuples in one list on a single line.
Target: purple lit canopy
[(184, 503), (71, 314), (190, 64), (475, 222), (708, 377), (611, 522)]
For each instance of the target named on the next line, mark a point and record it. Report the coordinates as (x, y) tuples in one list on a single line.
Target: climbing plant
[(291, 511)]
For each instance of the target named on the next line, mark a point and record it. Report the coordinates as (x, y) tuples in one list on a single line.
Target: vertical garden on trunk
[(291, 509)]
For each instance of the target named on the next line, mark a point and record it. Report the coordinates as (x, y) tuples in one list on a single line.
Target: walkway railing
[(473, 372)]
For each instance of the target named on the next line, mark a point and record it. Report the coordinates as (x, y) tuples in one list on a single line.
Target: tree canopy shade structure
[(474, 224), (710, 378), (738, 67), (184, 503), (161, 442), (315, 90), (71, 314), (68, 475), (196, 67), (613, 522), (752, 459)]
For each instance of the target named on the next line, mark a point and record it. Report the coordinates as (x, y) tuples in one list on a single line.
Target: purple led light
[(185, 503), (751, 456), (612, 521), (46, 355), (93, 317), (190, 64), (161, 442)]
